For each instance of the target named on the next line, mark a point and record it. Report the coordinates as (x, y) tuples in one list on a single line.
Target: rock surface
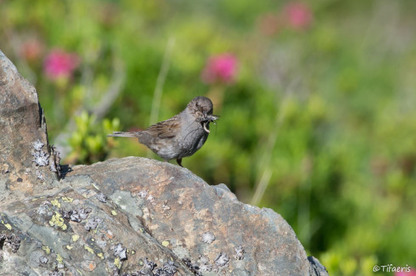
[(24, 151), (129, 216)]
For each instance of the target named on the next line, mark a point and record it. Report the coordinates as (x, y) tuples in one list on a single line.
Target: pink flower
[(60, 64), (220, 69), (298, 15), (411, 272)]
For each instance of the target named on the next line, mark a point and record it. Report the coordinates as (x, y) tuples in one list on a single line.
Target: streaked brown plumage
[(180, 136)]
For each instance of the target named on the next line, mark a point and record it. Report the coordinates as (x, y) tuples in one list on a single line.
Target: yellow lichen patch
[(69, 247), (165, 243), (67, 199), (114, 212), (8, 226), (58, 220), (46, 249), (101, 256), (59, 259), (89, 249), (131, 252), (117, 262), (56, 203), (75, 238)]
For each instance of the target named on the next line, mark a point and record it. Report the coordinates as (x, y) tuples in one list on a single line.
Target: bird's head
[(201, 108)]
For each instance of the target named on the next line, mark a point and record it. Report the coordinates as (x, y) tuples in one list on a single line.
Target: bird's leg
[(179, 161)]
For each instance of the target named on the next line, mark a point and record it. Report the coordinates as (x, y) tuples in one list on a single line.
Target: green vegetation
[(318, 122)]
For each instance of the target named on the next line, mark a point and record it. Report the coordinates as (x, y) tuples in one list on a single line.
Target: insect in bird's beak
[(204, 125)]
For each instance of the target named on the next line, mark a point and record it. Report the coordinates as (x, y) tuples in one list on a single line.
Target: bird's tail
[(123, 134)]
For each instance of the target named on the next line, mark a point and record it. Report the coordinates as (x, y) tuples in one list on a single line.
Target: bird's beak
[(209, 119)]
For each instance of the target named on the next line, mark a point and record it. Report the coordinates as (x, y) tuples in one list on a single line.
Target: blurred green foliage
[(319, 125), (89, 140)]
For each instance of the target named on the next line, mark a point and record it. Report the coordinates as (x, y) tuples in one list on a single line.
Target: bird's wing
[(166, 129)]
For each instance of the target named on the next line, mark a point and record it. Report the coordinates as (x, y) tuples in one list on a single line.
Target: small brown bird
[(180, 136)]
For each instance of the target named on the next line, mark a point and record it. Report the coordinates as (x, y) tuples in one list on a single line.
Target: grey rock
[(129, 216), (25, 152)]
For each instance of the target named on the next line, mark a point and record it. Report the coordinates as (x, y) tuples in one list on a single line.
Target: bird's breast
[(193, 138)]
